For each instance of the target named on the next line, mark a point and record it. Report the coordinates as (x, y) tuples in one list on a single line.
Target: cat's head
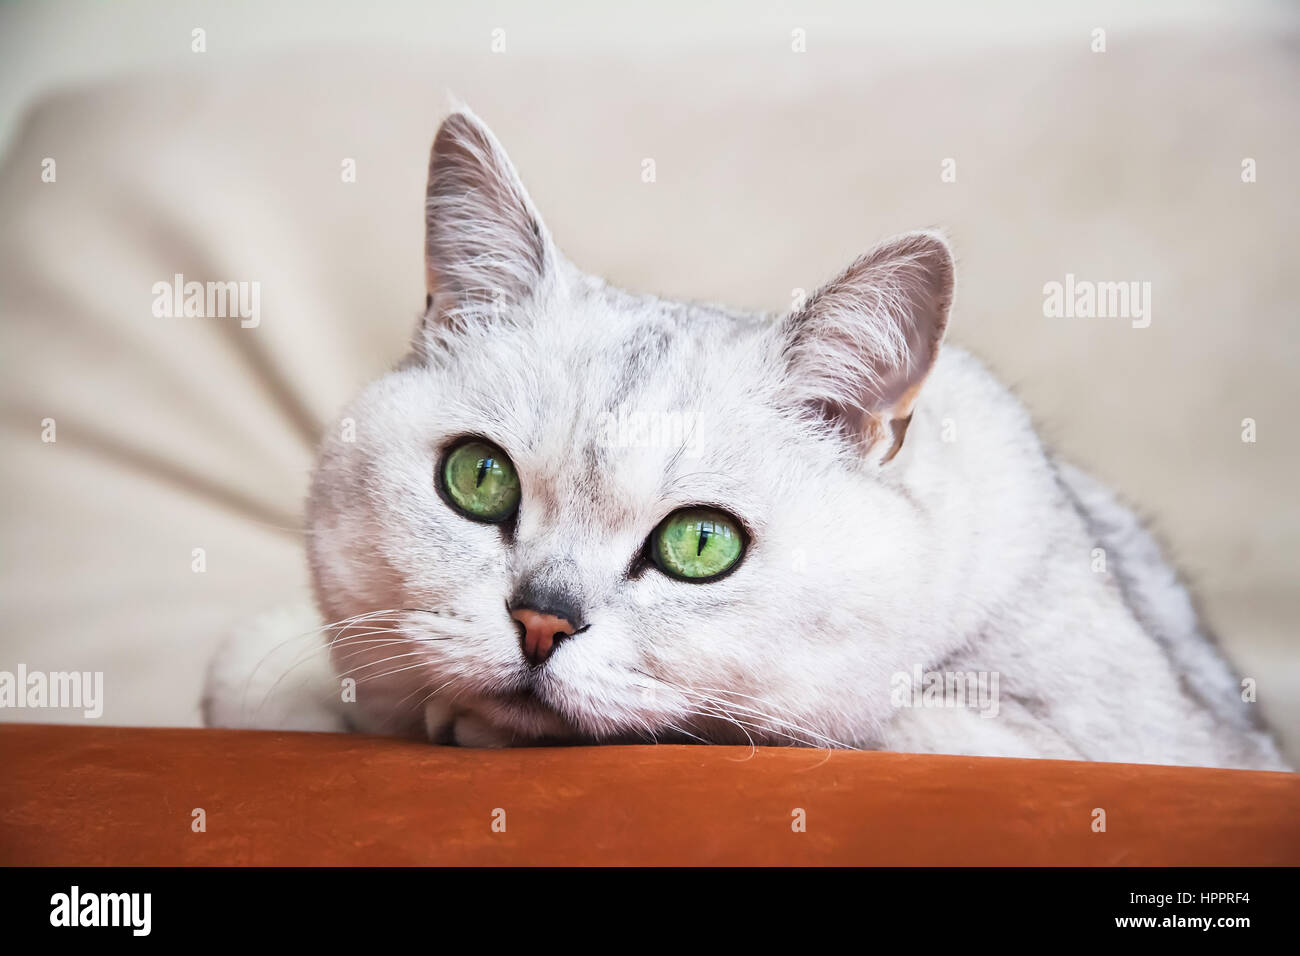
[(574, 512)]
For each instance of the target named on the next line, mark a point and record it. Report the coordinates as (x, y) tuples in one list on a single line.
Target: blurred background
[(147, 139)]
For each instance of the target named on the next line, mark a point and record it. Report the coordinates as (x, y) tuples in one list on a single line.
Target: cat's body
[(892, 531)]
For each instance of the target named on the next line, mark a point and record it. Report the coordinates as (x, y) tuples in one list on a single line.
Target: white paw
[(274, 674), (463, 728)]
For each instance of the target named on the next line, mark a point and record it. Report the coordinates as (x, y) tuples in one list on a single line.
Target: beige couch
[(772, 169)]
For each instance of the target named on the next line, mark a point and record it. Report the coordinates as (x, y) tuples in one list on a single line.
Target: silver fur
[(970, 550)]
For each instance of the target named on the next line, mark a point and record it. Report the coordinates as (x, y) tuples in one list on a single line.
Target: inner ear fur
[(860, 349)]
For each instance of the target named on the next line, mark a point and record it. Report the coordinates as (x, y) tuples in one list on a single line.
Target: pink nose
[(539, 633)]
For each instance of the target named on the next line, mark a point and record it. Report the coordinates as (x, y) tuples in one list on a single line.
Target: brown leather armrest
[(78, 795)]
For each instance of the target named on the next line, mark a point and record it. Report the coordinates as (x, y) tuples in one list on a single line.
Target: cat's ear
[(859, 350), (485, 246)]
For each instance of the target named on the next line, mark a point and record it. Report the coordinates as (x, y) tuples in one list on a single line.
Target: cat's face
[(578, 514)]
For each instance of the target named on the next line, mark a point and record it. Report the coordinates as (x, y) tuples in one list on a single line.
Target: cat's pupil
[(704, 539), (483, 465)]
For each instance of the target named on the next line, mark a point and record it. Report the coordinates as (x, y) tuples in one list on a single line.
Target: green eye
[(480, 482), (697, 544)]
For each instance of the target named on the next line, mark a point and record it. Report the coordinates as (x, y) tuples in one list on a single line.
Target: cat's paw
[(442, 725), (274, 674)]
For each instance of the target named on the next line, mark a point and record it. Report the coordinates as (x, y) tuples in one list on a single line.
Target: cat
[(835, 524)]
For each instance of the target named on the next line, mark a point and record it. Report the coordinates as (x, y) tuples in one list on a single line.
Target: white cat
[(858, 540)]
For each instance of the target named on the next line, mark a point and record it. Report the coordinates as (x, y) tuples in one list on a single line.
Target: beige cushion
[(773, 169)]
